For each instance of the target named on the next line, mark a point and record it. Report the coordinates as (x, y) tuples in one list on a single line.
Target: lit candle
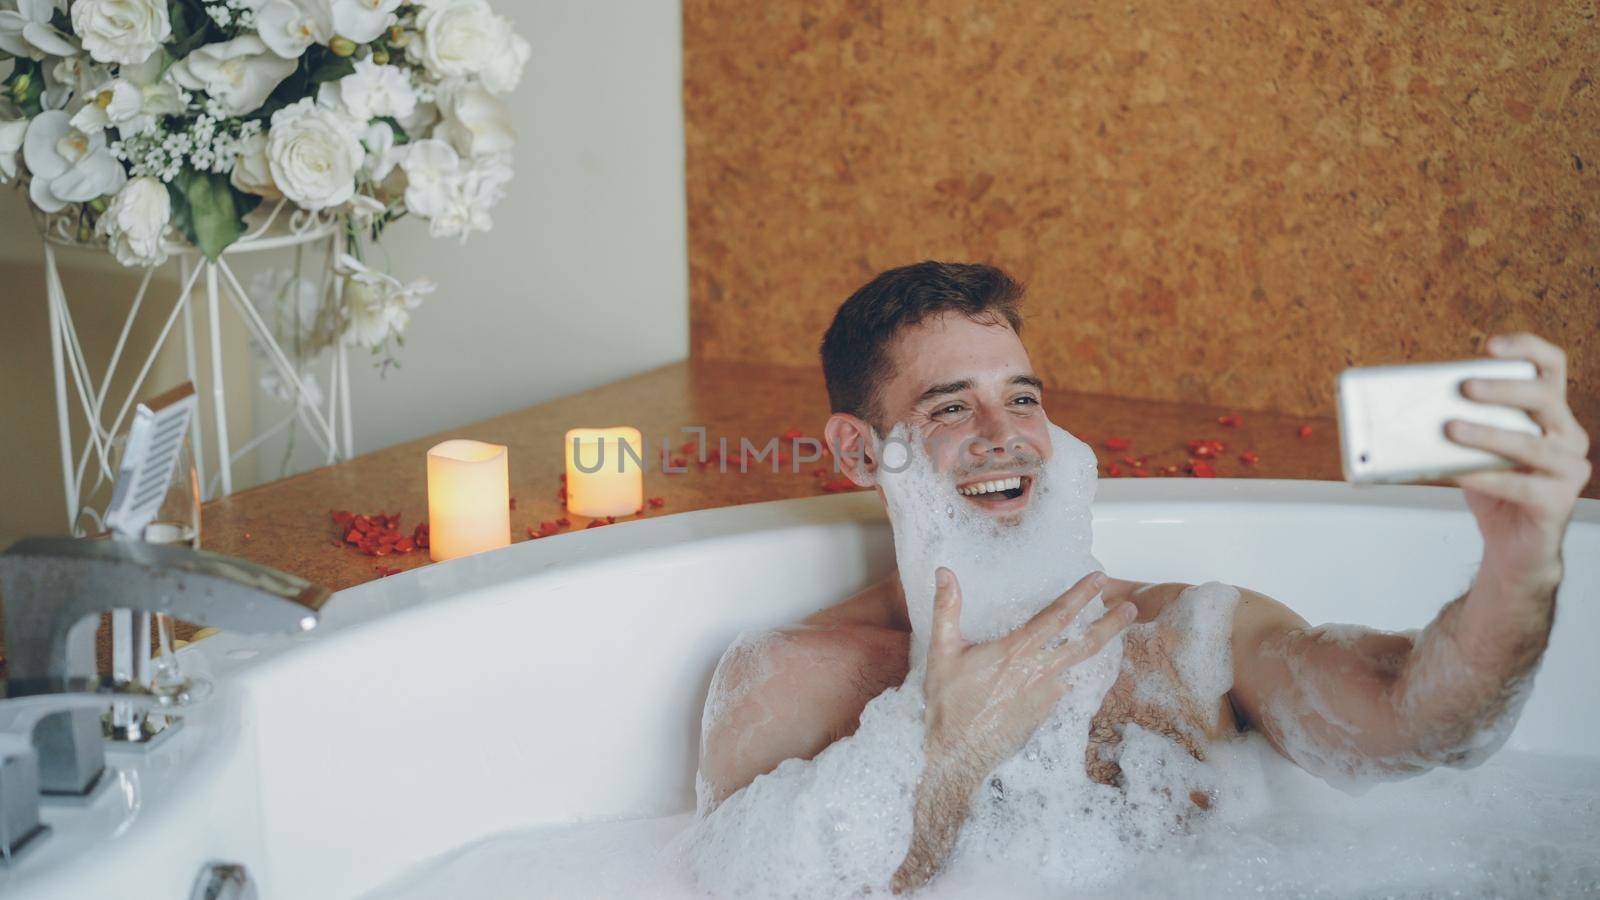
[(469, 499), (604, 477)]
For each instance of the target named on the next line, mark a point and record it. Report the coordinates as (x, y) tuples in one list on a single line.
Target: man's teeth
[(991, 487)]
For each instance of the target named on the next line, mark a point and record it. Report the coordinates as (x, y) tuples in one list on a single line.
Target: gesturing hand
[(985, 700), (1523, 514)]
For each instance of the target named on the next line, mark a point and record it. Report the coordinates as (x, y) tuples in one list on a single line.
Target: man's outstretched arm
[(1338, 700)]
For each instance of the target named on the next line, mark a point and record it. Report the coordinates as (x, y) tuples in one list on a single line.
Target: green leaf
[(191, 28), (290, 90), (333, 68), (208, 210)]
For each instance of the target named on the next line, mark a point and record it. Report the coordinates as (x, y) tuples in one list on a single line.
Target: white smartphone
[(1391, 419)]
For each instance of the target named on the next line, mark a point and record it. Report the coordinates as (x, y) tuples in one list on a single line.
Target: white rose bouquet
[(150, 121)]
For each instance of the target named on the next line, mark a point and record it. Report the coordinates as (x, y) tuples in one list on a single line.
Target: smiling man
[(936, 347)]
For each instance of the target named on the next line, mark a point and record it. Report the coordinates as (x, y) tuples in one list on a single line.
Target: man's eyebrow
[(949, 387), (1029, 380)]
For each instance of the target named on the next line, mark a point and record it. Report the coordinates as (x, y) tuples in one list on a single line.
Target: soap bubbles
[(839, 824)]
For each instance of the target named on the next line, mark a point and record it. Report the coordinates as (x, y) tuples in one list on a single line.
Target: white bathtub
[(562, 679)]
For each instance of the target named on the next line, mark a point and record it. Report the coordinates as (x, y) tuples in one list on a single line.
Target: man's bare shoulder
[(790, 692), (840, 665)]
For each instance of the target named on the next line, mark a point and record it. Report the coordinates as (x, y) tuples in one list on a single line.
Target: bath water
[(1520, 825)]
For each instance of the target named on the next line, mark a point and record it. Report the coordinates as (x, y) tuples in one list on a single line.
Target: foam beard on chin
[(1007, 572)]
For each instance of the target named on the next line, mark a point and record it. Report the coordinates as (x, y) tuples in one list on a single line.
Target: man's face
[(970, 391)]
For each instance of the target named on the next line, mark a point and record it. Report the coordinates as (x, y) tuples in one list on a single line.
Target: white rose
[(288, 27), (476, 122), (67, 165), (240, 73), (136, 222), (121, 31), (252, 174), (459, 37), (11, 134), (363, 21), (372, 91), (313, 154)]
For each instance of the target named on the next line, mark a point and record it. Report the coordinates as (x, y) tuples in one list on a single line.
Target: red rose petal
[(657, 502), (1118, 443), (1249, 457), (1305, 432), (1231, 420)]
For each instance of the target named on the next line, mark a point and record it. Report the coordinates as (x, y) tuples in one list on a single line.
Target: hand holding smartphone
[(1391, 419)]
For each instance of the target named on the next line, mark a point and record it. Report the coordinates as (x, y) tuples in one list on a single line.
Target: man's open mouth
[(998, 492)]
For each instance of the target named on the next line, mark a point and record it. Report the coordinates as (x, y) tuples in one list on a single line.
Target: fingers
[(1547, 357), (1095, 638), (1507, 486), (946, 633), (1533, 451), (1543, 401), (1041, 630)]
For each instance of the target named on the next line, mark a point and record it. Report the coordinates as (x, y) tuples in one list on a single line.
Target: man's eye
[(949, 409), (1026, 400)]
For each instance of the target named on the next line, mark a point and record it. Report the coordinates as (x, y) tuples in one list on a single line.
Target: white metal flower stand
[(282, 227)]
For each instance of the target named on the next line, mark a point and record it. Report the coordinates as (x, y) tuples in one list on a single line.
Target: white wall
[(584, 279)]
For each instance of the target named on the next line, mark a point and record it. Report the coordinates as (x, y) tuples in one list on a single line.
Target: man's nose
[(994, 435)]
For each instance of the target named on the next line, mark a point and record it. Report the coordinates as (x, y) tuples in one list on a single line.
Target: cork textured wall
[(1223, 203)]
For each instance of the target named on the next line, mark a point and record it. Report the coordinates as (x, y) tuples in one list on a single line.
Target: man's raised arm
[(1345, 701)]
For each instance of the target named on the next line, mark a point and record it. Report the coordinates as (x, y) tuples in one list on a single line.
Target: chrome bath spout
[(49, 587)]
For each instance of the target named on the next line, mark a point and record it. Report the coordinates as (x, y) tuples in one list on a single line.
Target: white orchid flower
[(376, 304), (240, 73), (289, 27), (116, 103), (26, 31), (67, 165), (131, 102), (11, 134), (363, 21)]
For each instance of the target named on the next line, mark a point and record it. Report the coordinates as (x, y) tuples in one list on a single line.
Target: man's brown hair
[(855, 350)]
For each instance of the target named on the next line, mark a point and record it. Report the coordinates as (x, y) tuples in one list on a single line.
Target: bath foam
[(839, 824)]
